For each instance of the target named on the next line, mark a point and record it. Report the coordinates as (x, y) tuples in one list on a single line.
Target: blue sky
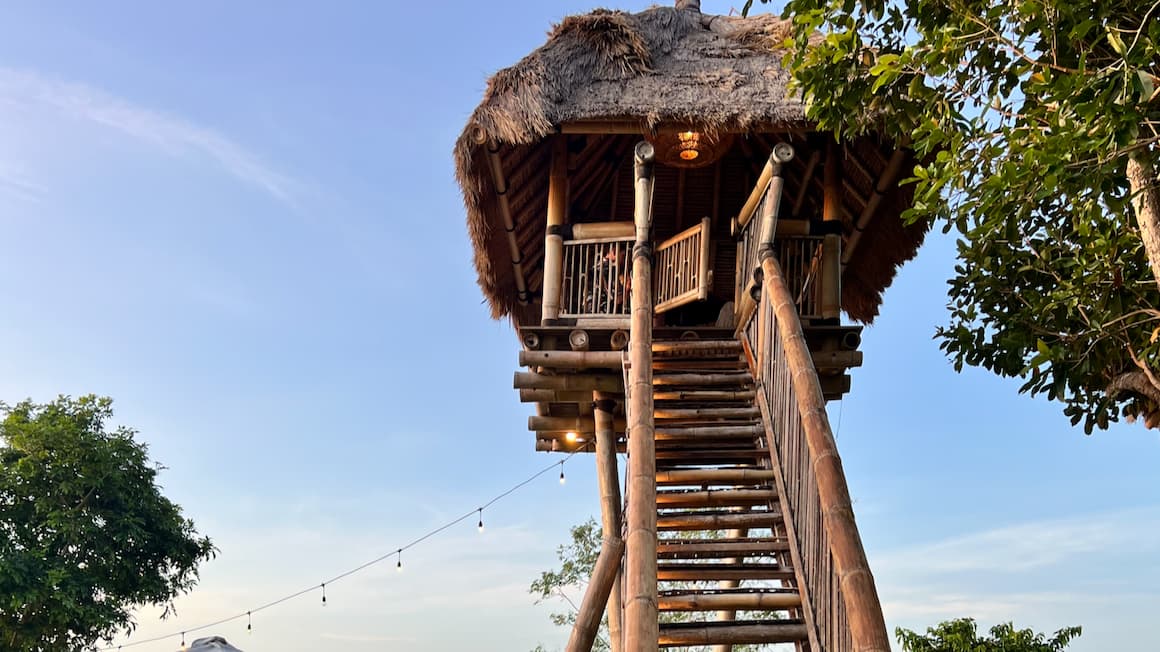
[(240, 221)]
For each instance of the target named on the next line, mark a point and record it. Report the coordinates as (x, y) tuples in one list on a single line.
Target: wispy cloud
[(15, 182), (1029, 546), (172, 134)]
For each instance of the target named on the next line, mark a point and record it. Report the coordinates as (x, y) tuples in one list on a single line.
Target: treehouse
[(676, 245)]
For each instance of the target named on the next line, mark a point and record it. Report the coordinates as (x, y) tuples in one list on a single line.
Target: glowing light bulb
[(570, 436), (561, 473), (481, 520)]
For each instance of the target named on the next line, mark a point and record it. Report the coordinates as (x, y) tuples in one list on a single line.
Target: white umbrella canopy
[(212, 644)]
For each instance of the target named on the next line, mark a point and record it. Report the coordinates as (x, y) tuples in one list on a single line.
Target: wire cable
[(314, 587)]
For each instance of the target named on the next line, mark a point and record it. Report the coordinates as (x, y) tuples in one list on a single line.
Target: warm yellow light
[(570, 436), (689, 145)]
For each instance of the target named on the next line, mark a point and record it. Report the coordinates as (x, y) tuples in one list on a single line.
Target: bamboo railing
[(682, 268), (837, 587), (800, 258), (596, 277), (778, 283)]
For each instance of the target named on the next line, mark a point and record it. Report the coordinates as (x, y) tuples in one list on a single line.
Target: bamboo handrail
[(867, 627)]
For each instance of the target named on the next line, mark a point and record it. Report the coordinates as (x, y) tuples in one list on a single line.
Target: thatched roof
[(659, 67)]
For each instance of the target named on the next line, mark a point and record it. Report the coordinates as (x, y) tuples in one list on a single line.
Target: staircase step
[(695, 348), (720, 548), (706, 520), (664, 431), (707, 413), (679, 572), (732, 633), (715, 476), (744, 379), (708, 456), (681, 364), (745, 599), (715, 498), (706, 395)]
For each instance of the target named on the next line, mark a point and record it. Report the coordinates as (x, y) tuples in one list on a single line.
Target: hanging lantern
[(689, 148)]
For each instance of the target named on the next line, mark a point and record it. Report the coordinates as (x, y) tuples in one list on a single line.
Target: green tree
[(85, 534), (1037, 124), (567, 584), (962, 636)]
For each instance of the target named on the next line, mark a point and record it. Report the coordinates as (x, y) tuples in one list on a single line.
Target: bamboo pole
[(592, 607), (610, 515), (505, 210), (727, 612), (553, 396), (587, 230), (807, 179), (640, 575), (837, 359), (760, 632), (568, 383), (716, 476), (888, 179), (831, 277), (553, 237), (578, 425), (571, 359), (746, 601), (867, 627)]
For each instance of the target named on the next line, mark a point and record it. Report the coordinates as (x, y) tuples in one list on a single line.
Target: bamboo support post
[(640, 572), (728, 612), (595, 598), (831, 277), (889, 178), (867, 627), (554, 237), (611, 521)]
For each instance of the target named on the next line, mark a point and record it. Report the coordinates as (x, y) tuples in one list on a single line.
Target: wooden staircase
[(724, 567)]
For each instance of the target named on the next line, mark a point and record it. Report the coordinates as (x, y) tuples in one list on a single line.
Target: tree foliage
[(85, 534), (1037, 124), (567, 584), (962, 636)]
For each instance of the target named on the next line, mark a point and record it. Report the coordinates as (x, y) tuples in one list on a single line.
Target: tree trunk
[(1146, 204)]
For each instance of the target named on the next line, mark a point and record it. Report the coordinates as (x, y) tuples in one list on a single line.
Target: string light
[(398, 553), (481, 519)]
